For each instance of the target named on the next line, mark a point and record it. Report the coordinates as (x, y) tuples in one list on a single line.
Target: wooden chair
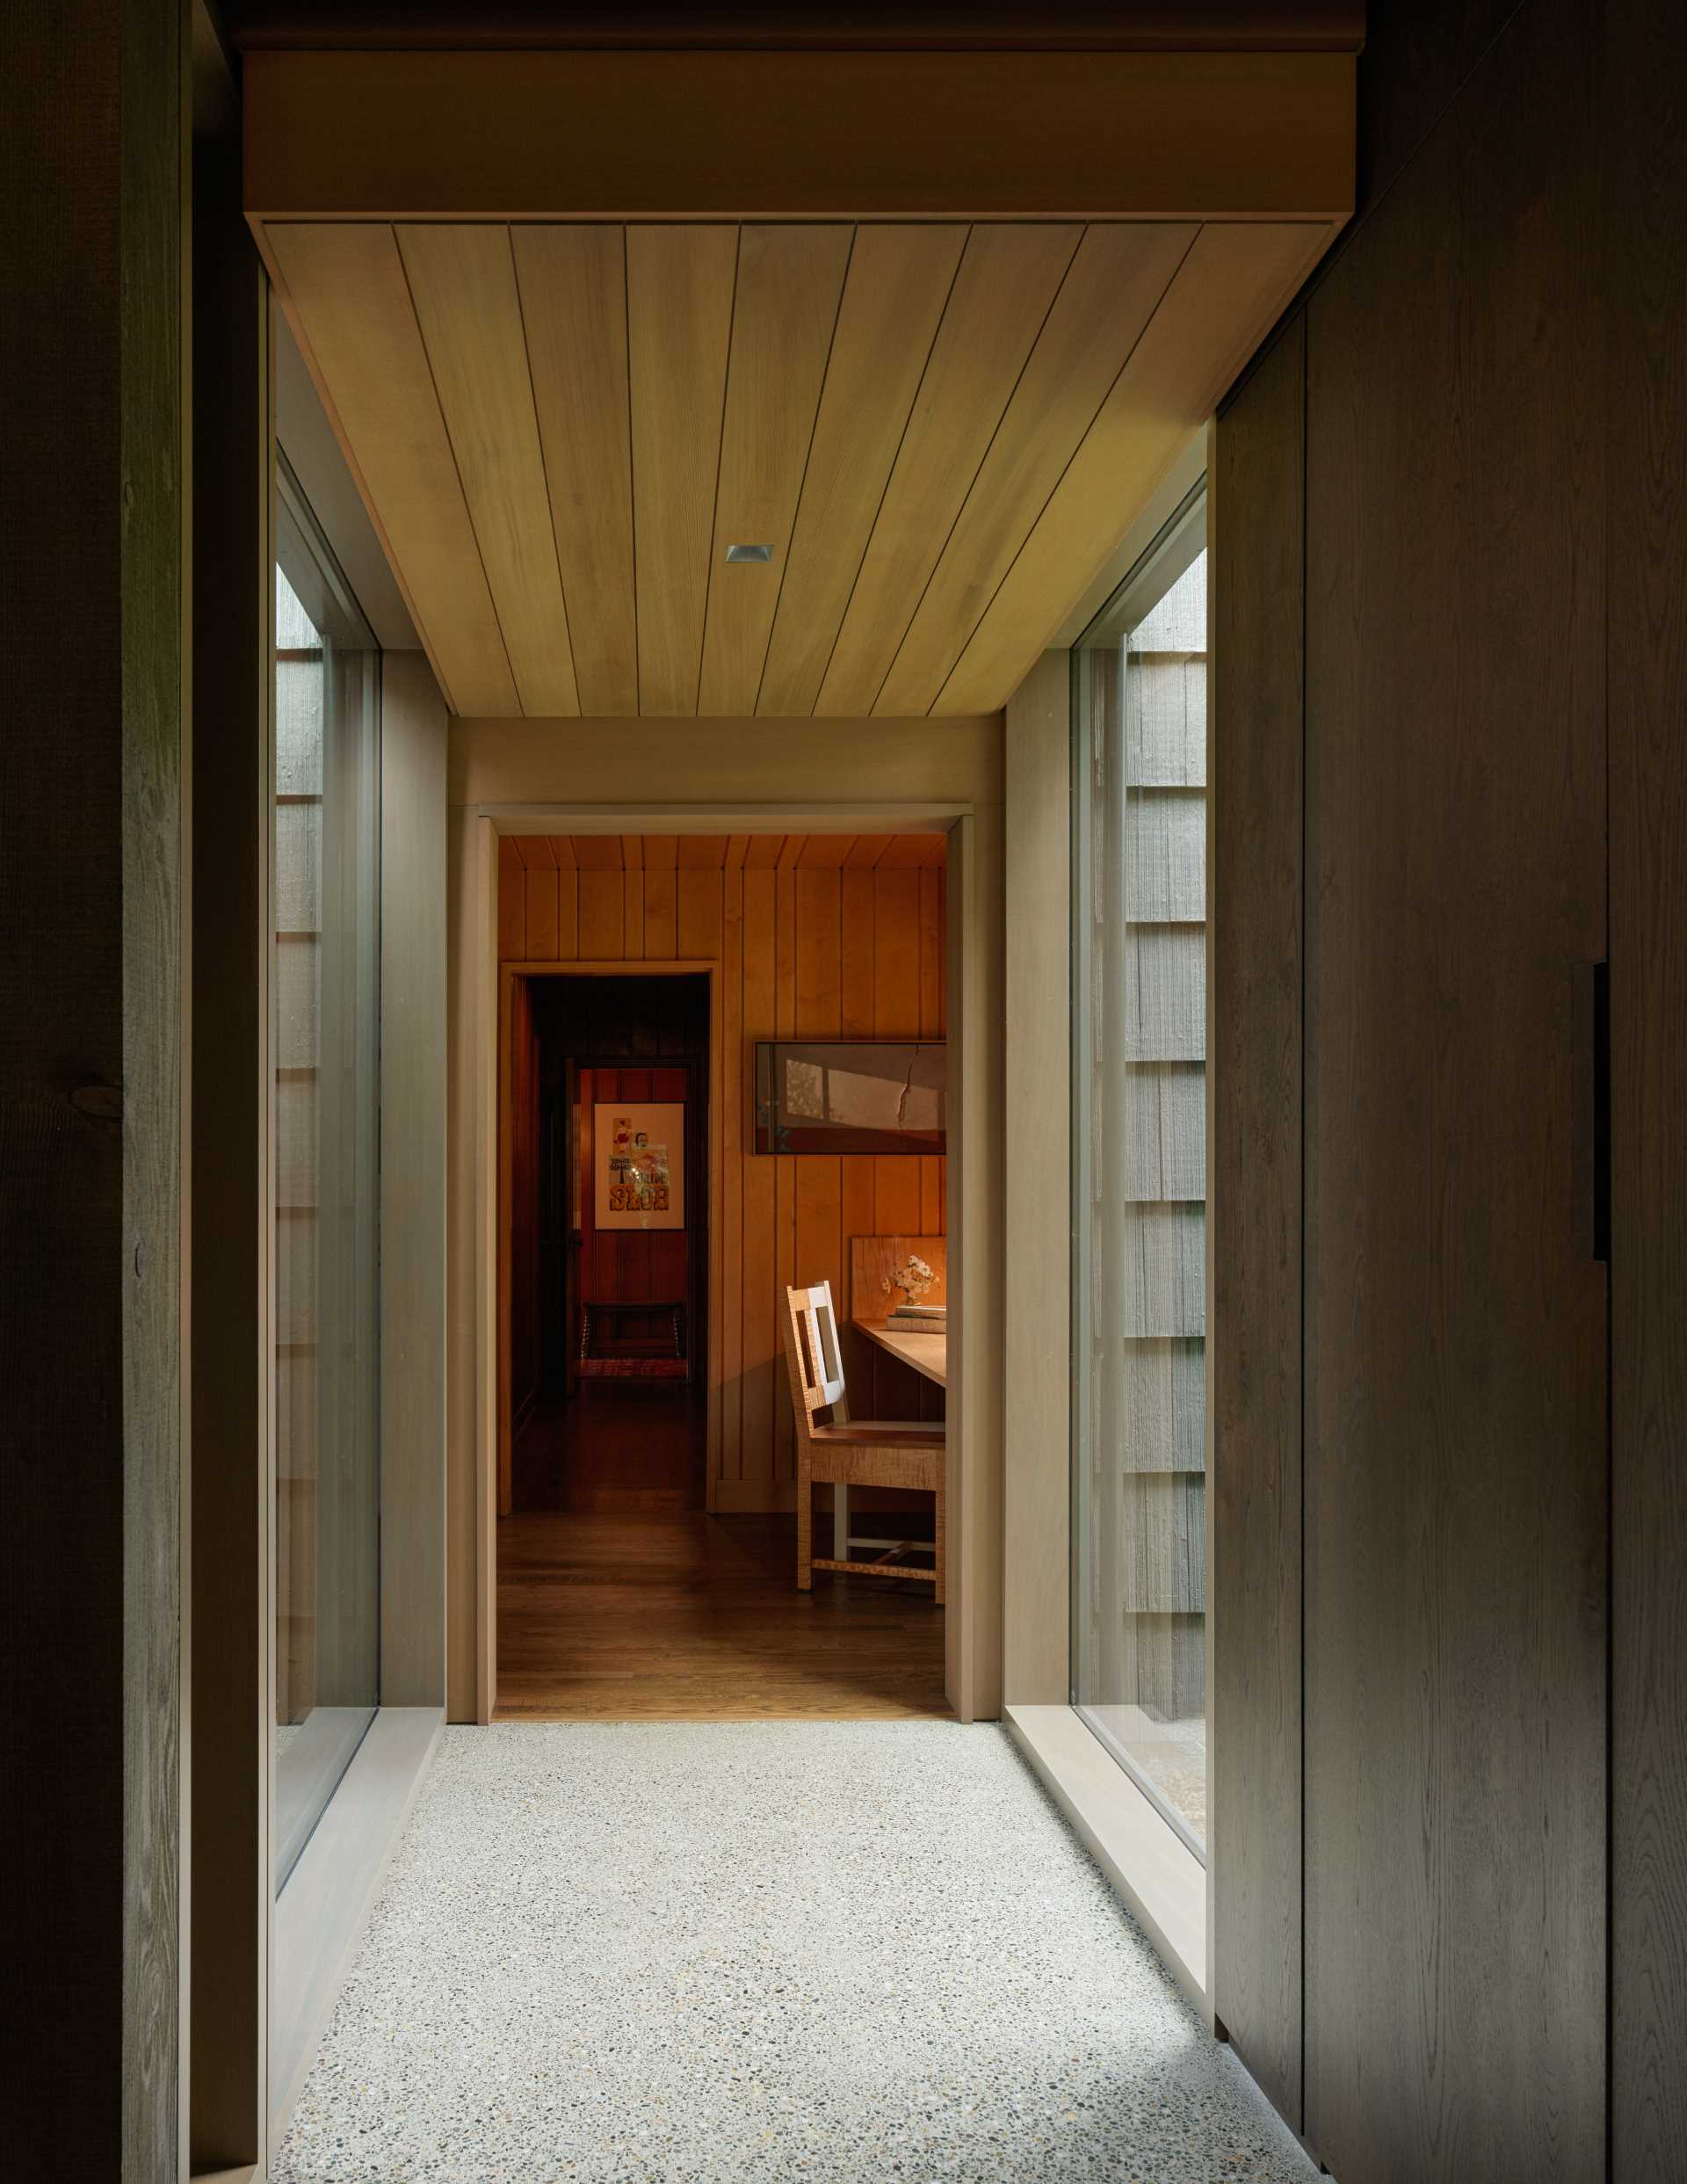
[(846, 1453)]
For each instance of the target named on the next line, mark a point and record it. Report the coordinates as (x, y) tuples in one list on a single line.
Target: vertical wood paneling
[(661, 914), (856, 944), (931, 879), (567, 898), (817, 1253), (735, 1097), (1646, 68), (784, 1177), (1455, 1391), (540, 945), (603, 915), (512, 902), (803, 941), (698, 914), (633, 897), (1258, 529), (760, 1268), (896, 953)]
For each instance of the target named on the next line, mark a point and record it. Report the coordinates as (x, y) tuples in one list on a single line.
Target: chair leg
[(942, 1555), (805, 1528), (841, 1523)]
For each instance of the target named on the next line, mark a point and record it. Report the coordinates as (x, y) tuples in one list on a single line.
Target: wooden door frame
[(973, 1622), (678, 968)]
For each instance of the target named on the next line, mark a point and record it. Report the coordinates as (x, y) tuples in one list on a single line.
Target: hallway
[(760, 1951)]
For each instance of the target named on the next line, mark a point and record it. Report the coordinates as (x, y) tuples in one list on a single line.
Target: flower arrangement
[(913, 1280)]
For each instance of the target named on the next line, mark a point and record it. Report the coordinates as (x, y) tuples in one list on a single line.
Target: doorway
[(646, 1529), (609, 1267)]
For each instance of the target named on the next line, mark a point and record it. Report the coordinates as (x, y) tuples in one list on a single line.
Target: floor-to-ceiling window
[(1139, 1641), (325, 1118)]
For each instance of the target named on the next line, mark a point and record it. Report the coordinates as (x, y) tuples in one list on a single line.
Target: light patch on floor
[(737, 1951)]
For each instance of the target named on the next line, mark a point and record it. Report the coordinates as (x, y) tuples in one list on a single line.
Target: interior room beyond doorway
[(648, 1479)]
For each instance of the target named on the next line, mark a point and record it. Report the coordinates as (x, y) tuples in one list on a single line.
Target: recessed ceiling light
[(749, 553)]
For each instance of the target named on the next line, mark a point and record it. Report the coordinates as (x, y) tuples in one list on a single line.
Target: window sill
[(1158, 1877)]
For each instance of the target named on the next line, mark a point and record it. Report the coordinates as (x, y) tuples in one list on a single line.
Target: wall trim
[(321, 1914), (1037, 1210), (1149, 1867), (974, 1617)]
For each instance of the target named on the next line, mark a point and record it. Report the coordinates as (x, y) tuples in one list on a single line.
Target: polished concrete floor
[(741, 1953)]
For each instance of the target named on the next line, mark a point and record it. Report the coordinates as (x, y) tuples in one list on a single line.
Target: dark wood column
[(92, 1113), (1646, 75), (1258, 646)]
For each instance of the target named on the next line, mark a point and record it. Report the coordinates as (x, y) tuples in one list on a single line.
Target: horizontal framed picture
[(851, 1096), (639, 1164)]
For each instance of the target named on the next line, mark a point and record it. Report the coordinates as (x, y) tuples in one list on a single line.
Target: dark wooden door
[(1456, 1450)]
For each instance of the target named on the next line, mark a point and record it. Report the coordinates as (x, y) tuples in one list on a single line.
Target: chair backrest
[(814, 1356)]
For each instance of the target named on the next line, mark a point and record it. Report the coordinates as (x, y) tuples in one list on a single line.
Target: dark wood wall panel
[(1647, 665), (91, 1141), (1258, 637), (230, 1659), (60, 1128), (1455, 1340)]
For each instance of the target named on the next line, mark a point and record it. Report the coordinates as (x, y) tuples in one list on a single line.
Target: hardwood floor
[(619, 1446), (678, 1615), (619, 1602)]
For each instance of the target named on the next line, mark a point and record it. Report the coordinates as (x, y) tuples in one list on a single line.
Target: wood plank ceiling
[(939, 431)]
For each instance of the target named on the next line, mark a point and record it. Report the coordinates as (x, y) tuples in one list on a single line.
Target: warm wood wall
[(822, 935), (1450, 1808)]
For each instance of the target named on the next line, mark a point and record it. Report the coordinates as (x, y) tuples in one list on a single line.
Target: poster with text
[(639, 1164)]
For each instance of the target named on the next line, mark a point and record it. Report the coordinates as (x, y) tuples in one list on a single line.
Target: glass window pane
[(1139, 1251), (324, 972)]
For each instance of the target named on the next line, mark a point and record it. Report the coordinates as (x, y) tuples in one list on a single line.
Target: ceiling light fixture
[(749, 553)]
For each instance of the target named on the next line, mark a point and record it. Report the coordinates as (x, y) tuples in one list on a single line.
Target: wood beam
[(612, 135)]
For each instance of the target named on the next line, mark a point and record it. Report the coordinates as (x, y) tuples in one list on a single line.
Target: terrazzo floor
[(746, 1951)]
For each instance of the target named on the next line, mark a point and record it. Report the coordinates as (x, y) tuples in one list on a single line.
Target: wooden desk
[(927, 1354)]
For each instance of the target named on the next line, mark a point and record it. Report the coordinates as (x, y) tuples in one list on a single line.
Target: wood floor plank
[(676, 1615), (618, 1598)]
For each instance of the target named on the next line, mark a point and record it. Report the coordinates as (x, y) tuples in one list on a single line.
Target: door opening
[(609, 1259), (651, 1457)]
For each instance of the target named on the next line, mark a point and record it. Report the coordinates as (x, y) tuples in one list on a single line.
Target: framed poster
[(638, 1161)]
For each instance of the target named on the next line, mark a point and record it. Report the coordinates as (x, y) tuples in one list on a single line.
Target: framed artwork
[(850, 1096), (638, 1160)]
